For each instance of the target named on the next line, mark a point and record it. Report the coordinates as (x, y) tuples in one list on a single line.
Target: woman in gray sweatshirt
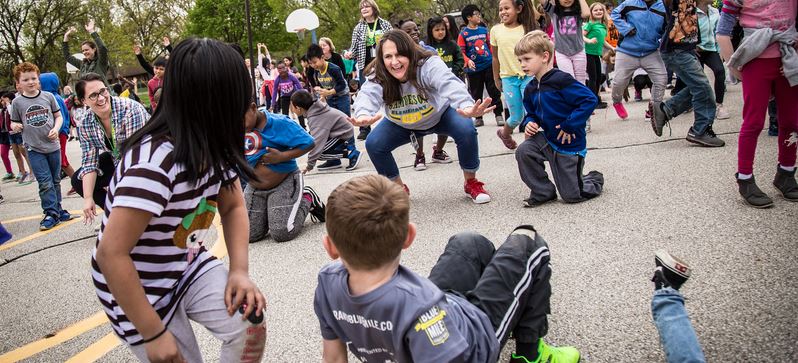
[(418, 95)]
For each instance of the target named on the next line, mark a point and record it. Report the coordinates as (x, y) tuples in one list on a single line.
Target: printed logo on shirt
[(479, 47), (410, 109), (685, 25), (194, 230), (444, 57), (252, 142), (37, 115), (567, 25), (432, 323), (363, 321), (286, 87)]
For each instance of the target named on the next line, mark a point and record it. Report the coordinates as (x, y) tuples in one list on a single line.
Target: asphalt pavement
[(660, 193)]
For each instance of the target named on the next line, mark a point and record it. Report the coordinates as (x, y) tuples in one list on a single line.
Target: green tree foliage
[(225, 20)]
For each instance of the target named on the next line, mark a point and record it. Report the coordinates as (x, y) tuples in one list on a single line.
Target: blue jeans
[(340, 103), (47, 169), (513, 90), (697, 94), (675, 331), (387, 136)]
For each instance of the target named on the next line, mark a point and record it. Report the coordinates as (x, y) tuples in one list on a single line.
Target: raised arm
[(142, 61), (585, 9), (65, 49)]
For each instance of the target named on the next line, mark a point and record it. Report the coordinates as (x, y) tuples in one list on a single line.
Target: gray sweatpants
[(280, 211), (566, 169), (625, 66), (203, 303)]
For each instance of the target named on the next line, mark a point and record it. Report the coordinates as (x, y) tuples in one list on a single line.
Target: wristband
[(155, 337)]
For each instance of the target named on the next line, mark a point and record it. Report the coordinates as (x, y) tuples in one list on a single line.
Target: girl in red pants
[(765, 61)]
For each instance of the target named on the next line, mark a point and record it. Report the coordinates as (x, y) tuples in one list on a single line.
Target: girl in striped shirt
[(151, 268)]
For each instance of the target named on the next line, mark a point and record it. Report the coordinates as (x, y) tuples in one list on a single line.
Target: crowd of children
[(178, 168)]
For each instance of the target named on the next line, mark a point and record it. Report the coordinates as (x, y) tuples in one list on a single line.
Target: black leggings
[(713, 61), (594, 76), (105, 170)]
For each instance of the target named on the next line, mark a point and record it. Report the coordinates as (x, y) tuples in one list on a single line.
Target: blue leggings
[(513, 90)]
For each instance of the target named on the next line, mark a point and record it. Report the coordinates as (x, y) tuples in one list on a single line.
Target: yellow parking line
[(67, 333), (110, 341), (22, 219), (96, 350), (37, 235)]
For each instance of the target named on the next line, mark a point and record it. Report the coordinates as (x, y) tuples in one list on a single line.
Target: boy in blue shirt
[(557, 110), (278, 201), (474, 298), (474, 41)]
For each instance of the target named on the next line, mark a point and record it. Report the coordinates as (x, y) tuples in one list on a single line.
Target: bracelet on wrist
[(155, 337)]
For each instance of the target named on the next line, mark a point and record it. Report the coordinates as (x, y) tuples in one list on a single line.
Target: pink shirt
[(774, 14)]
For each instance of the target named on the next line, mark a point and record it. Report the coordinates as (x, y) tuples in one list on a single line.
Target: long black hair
[(206, 93), (432, 23), (452, 30), (576, 8)]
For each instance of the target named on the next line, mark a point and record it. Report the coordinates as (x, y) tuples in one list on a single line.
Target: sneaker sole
[(442, 161), (354, 166), (330, 168), (420, 167), (764, 206), (672, 263), (478, 200), (704, 144)]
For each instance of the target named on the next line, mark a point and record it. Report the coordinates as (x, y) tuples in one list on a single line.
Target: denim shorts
[(16, 139)]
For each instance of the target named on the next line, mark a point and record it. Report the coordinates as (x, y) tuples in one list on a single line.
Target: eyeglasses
[(102, 92)]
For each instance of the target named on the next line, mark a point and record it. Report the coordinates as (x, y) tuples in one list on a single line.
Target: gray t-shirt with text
[(408, 319), (37, 117)]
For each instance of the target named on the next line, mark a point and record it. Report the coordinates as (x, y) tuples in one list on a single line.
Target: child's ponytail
[(528, 16)]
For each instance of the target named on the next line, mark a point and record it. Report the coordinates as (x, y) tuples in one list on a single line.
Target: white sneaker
[(499, 120), (720, 113)]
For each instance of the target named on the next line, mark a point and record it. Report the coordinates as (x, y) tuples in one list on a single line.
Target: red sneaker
[(620, 110), (475, 189)]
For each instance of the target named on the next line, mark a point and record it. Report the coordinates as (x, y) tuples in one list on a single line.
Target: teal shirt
[(598, 31), (707, 23)]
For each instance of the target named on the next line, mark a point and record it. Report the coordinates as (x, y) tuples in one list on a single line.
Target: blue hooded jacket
[(647, 22), (50, 83), (560, 100)]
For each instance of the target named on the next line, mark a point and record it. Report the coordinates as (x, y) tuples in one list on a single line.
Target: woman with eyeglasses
[(365, 36), (102, 130)]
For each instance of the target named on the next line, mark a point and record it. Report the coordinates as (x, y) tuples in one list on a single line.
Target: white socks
[(787, 168), (744, 176)]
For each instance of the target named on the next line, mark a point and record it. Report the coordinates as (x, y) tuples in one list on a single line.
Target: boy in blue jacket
[(557, 110), (641, 24)]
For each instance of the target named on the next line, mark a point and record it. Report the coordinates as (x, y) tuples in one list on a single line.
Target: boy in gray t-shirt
[(474, 298), (37, 115)]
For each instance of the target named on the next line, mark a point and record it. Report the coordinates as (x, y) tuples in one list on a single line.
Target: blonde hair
[(329, 42), (536, 41), (367, 219), (374, 7), (604, 19)]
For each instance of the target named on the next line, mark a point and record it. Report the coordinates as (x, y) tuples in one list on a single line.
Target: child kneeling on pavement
[(333, 135), (474, 298), (557, 110)]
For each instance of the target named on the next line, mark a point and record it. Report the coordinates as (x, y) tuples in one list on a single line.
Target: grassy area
[(145, 99)]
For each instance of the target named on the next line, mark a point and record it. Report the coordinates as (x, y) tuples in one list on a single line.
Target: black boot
[(785, 183), (751, 193)]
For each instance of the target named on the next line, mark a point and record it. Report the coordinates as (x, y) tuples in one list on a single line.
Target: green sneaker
[(550, 354)]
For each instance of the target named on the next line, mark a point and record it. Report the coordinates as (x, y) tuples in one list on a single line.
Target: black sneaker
[(330, 164), (659, 118), (785, 182), (751, 193), (364, 133), (708, 139), (532, 203), (670, 272), (317, 208), (601, 105), (354, 160)]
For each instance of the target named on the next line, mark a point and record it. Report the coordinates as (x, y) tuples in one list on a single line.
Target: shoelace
[(476, 188), (711, 132)]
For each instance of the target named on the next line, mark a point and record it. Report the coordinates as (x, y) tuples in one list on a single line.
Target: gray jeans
[(280, 211), (625, 66), (566, 169), (203, 303)]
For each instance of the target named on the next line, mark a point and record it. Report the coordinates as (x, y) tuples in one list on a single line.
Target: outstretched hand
[(69, 31), (364, 120), (90, 26), (136, 49), (166, 41), (479, 108)]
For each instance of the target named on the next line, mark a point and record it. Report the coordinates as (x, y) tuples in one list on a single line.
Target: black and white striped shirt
[(170, 253)]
